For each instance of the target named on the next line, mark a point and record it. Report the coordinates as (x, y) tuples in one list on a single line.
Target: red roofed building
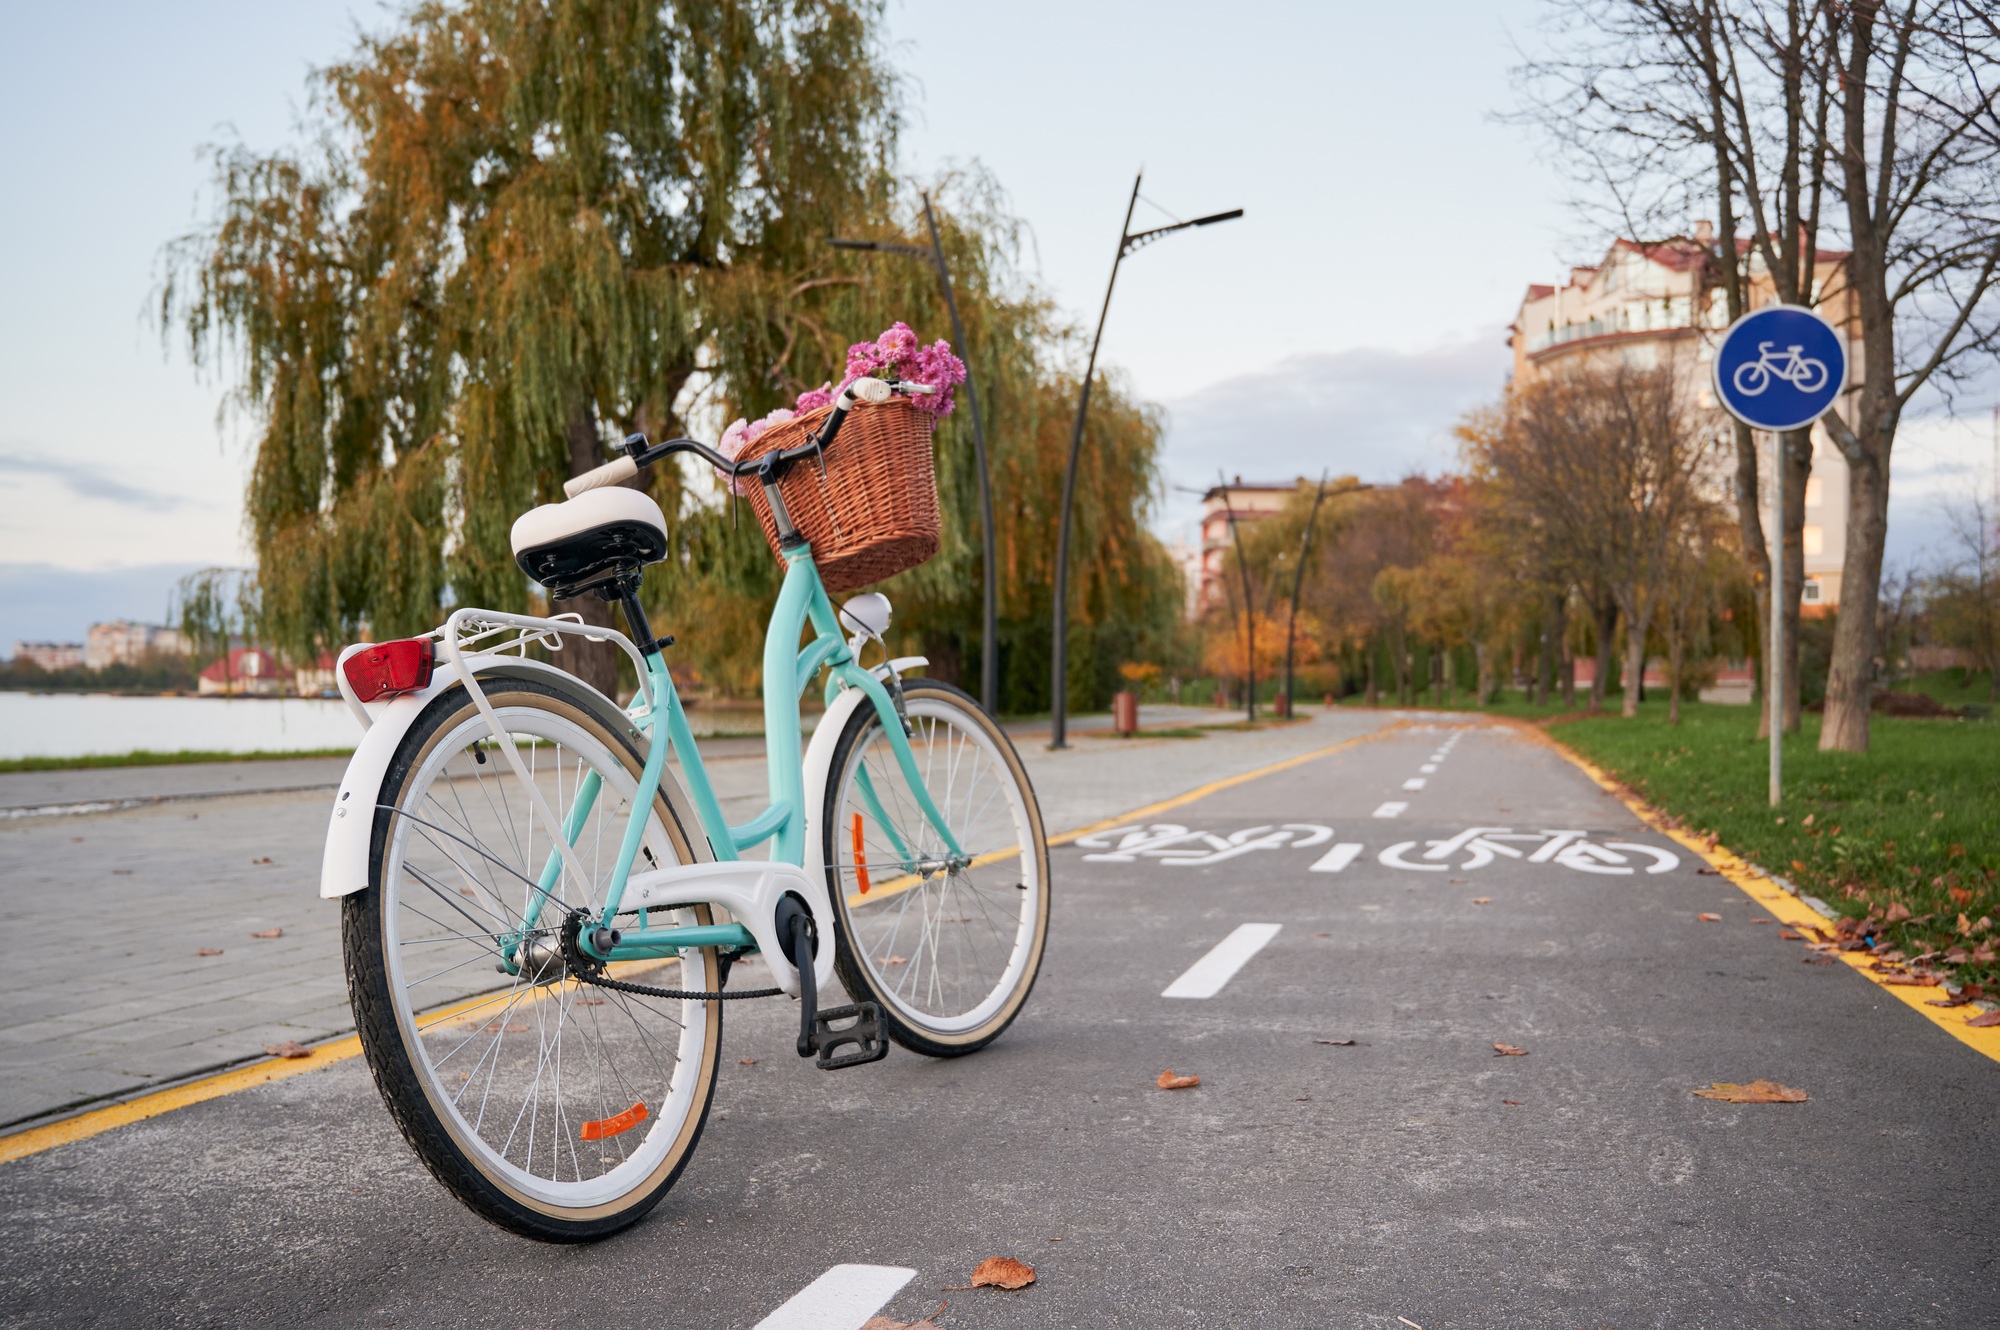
[(247, 671)]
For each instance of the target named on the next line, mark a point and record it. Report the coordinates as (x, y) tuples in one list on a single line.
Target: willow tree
[(520, 227), (794, 335)]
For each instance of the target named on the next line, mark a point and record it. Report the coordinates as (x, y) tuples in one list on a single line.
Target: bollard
[(1281, 705), (1125, 712)]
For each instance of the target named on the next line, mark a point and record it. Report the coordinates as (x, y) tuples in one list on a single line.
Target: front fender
[(350, 826), (819, 764)]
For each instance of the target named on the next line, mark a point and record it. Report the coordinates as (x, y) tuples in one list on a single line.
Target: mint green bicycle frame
[(801, 601)]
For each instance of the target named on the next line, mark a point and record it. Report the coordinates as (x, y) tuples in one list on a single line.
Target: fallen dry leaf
[(1002, 1272), (265, 860), (1960, 895), (1948, 1000), (1760, 921), (1817, 960), (1985, 1020), (290, 1048), (1511, 1103), (1912, 980), (1785, 933), (269, 932), (1757, 1092), (1482, 900), (1336, 1043), (1169, 1081), (1708, 872), (1508, 1051), (746, 1062), (895, 960), (1896, 913), (1709, 918), (208, 951)]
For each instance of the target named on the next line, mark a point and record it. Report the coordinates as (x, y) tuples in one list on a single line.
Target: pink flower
[(740, 436), (815, 398), (897, 355)]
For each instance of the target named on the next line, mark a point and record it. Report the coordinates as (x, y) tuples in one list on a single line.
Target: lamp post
[(1298, 583), (989, 631), (1059, 663), (1249, 602)]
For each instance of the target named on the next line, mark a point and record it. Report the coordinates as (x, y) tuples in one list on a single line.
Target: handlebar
[(639, 453)]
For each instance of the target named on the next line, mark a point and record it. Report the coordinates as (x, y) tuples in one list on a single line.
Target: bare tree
[(1964, 597), (1918, 153)]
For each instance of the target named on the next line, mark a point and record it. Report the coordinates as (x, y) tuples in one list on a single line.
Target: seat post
[(625, 591)]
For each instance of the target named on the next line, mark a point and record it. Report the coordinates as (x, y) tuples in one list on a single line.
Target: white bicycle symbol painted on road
[(1483, 845), (1793, 367), (1179, 847), (1183, 847)]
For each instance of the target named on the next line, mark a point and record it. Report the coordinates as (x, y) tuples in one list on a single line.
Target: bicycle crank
[(819, 1029)]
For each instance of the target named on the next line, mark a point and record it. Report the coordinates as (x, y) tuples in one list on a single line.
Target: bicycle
[(1793, 367), (563, 1101)]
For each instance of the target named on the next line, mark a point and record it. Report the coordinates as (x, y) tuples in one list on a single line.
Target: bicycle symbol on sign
[(1793, 367), (1179, 847), (1569, 849)]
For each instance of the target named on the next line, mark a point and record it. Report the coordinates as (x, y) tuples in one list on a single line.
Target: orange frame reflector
[(604, 1127), (860, 856)]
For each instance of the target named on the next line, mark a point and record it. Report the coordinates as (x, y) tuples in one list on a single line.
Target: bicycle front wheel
[(947, 944), (557, 1109)]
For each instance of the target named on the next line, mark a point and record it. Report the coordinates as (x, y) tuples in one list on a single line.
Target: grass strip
[(146, 757)]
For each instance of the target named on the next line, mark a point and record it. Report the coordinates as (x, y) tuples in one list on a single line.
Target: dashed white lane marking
[(1428, 767), (1205, 978), (1339, 857), (1391, 809), (841, 1299), (1414, 783)]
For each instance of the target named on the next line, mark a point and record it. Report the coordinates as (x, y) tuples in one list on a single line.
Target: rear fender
[(351, 824)]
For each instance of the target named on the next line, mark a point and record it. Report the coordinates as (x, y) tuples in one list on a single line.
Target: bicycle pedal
[(865, 1034)]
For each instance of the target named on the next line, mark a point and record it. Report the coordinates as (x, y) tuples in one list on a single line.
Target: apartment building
[(1250, 501), (1644, 302), (50, 656), (123, 642)]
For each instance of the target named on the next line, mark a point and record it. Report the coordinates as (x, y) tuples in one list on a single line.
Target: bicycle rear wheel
[(948, 948), (560, 1110)]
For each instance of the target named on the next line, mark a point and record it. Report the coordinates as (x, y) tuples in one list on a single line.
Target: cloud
[(1376, 414), (91, 483)]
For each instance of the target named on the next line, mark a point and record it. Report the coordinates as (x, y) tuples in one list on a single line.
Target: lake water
[(74, 724)]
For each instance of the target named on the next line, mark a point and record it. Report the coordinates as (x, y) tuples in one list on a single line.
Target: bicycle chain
[(587, 969)]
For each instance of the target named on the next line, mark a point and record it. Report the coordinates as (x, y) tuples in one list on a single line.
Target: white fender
[(350, 827), (819, 761)]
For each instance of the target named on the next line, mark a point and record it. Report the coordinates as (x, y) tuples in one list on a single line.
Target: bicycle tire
[(393, 1033), (865, 974)]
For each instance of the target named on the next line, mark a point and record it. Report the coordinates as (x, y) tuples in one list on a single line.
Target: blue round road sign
[(1780, 367)]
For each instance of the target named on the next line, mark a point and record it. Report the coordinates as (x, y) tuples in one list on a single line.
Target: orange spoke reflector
[(603, 1127), (860, 856)]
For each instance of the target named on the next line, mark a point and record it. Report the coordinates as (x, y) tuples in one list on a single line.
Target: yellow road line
[(1782, 905), (37, 1139), (34, 1140), (1227, 782)]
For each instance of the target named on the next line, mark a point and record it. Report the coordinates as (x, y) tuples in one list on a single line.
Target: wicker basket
[(874, 513)]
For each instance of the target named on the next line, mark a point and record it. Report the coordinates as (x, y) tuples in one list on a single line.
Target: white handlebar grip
[(870, 390), (611, 473)]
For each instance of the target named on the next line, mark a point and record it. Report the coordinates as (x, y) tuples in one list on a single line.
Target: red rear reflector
[(860, 856), (603, 1127), (382, 669)]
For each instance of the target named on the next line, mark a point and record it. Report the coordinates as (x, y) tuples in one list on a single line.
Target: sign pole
[(1776, 688), (1779, 368)]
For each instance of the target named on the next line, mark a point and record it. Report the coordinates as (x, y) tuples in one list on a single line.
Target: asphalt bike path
[(1414, 1176)]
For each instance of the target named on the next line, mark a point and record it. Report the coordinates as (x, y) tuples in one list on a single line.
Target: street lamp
[(989, 631), (1127, 242), (1298, 583)]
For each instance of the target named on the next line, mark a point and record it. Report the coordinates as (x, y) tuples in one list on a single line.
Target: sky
[(1345, 323)]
